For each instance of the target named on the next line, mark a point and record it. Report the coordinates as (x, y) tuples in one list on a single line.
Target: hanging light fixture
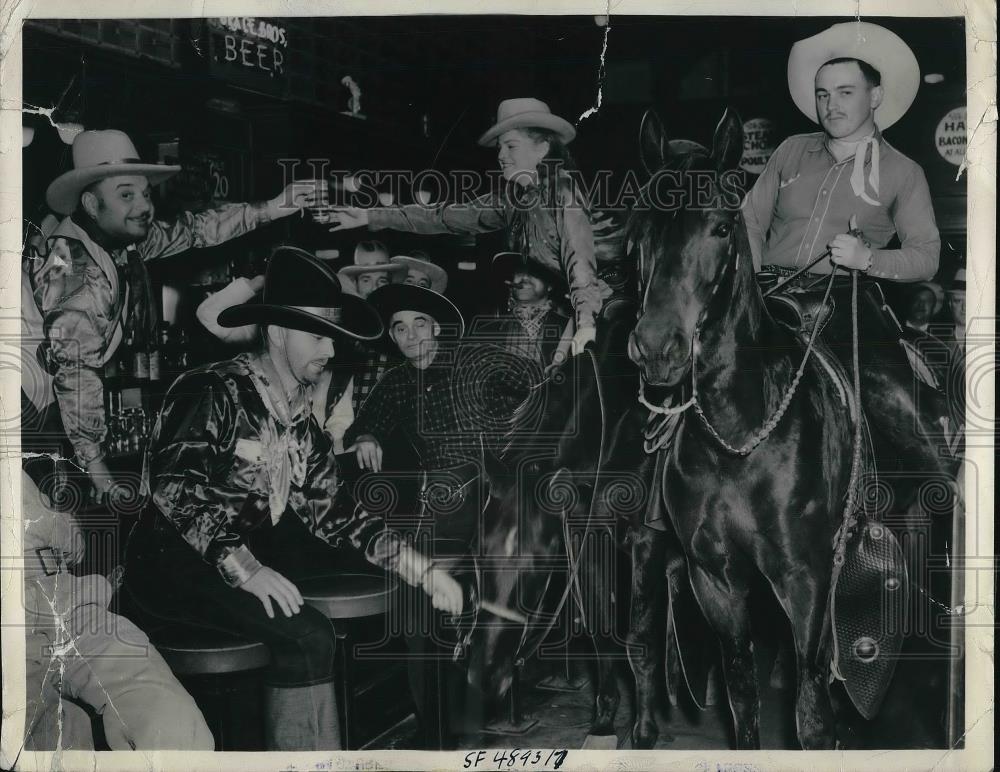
[(27, 135), (68, 130)]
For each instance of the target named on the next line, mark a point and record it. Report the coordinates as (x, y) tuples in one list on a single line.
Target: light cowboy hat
[(98, 155), (958, 282), (527, 113), (938, 291), (437, 274), (296, 278), (391, 298), (882, 49), (369, 259)]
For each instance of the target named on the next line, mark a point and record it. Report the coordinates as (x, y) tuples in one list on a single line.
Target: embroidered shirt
[(78, 289), (231, 453)]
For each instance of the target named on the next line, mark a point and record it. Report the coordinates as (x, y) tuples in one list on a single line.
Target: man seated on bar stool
[(335, 399), (77, 652), (437, 404), (246, 499)]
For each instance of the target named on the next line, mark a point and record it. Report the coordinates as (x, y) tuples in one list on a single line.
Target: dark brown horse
[(542, 498), (738, 507)]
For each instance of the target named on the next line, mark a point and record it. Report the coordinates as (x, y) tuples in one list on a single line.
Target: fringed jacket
[(231, 452)]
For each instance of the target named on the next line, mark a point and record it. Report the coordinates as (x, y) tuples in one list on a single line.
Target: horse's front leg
[(648, 606), (804, 595), (723, 599)]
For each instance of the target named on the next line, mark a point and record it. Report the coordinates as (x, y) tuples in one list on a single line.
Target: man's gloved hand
[(583, 336)]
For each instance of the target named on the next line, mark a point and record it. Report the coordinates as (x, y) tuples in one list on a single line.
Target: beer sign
[(249, 52), (950, 136)]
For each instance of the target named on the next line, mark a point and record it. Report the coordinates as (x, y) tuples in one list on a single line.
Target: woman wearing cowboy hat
[(246, 499), (545, 216)]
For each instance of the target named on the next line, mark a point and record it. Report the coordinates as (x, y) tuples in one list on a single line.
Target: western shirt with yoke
[(86, 295), (804, 197)]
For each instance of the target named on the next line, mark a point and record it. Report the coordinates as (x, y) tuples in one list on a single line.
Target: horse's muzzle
[(662, 363)]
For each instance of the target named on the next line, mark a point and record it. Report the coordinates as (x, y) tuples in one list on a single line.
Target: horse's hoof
[(600, 742), (644, 737)]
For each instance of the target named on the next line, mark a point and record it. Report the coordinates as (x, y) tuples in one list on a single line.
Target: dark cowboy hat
[(391, 298), (506, 264), (296, 278)]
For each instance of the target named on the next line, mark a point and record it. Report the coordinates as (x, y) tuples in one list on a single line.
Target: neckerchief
[(860, 151), (530, 317)]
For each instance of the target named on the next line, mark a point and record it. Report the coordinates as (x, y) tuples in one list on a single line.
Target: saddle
[(868, 595), (799, 307)]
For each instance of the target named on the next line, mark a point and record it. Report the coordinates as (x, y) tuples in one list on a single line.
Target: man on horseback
[(849, 192)]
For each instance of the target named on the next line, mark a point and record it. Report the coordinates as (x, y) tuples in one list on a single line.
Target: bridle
[(731, 263)]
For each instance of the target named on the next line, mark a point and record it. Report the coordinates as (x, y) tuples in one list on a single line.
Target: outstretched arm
[(217, 226), (482, 215)]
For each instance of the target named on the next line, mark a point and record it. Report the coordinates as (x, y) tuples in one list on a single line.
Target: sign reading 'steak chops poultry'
[(249, 52)]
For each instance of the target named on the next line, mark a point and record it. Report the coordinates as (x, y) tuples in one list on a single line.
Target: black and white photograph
[(498, 388)]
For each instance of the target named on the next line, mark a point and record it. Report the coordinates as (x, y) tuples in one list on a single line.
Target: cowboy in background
[(846, 189), (91, 288), (956, 307), (535, 319), (924, 303), (929, 350), (246, 499), (422, 272), (439, 399), (372, 269), (77, 651)]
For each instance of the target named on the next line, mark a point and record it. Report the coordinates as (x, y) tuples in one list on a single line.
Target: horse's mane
[(642, 225)]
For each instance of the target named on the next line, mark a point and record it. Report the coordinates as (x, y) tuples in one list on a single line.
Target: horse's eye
[(722, 230)]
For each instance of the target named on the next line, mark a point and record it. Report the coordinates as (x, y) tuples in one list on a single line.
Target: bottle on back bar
[(155, 361)]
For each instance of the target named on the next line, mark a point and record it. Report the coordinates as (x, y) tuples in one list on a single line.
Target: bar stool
[(347, 599), (221, 671)]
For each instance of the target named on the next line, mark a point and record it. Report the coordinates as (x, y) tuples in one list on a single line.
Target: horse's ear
[(727, 144), (652, 142)]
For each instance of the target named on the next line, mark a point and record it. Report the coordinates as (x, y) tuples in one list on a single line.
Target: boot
[(302, 718)]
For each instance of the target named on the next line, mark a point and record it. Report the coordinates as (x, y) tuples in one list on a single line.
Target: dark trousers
[(42, 433), (168, 580), (447, 706)]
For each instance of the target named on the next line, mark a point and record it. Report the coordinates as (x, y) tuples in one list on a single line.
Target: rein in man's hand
[(851, 250)]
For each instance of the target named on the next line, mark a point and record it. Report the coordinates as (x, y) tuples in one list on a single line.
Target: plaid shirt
[(443, 410), (368, 373)]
